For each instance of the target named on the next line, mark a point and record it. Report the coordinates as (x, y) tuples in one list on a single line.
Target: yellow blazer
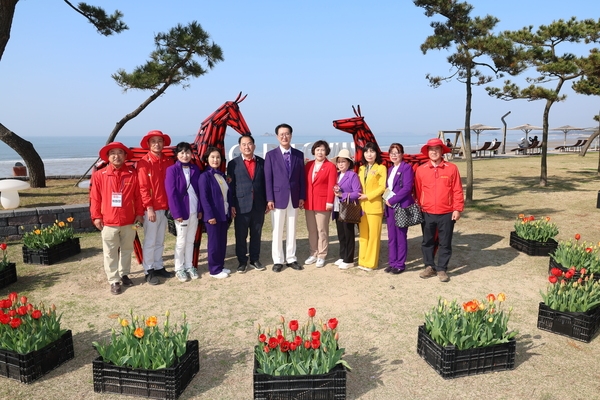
[(373, 186)]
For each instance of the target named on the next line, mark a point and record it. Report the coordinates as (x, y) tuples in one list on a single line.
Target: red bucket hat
[(103, 153), (144, 142), (432, 143)]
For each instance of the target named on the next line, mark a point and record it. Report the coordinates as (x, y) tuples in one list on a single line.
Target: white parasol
[(478, 128), (566, 129), (526, 128)]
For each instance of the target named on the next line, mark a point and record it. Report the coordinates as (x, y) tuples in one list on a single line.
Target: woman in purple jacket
[(183, 195), (217, 206), (347, 187), (400, 182)]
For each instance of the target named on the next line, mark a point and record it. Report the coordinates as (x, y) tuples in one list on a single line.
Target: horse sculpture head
[(212, 130)]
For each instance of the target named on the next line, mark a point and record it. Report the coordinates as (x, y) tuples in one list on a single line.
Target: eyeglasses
[(394, 154)]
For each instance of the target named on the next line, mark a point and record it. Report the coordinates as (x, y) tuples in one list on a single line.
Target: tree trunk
[(24, 148), (467, 144), (7, 11), (544, 166)]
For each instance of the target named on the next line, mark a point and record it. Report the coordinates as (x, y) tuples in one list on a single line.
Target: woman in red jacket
[(321, 176)]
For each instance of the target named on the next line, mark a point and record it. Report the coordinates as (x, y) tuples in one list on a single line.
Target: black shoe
[(296, 266), (388, 269), (257, 265), (164, 273), (242, 268), (126, 281), (151, 278), (277, 267), (115, 288), (397, 271)]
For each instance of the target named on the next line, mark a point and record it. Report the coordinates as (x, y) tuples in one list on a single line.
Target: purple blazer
[(176, 187), (402, 187), (279, 184), (211, 197), (350, 187)]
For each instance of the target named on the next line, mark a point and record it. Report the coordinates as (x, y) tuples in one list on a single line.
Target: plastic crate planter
[(167, 383), (452, 363), (532, 247), (331, 385), (8, 275), (31, 366), (577, 325), (53, 254)]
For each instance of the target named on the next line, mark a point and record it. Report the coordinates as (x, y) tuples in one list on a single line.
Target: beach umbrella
[(478, 128), (566, 129), (526, 128)]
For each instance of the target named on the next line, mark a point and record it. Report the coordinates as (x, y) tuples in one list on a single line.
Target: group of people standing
[(123, 197)]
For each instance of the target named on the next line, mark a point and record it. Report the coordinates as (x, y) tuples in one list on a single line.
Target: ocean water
[(71, 155)]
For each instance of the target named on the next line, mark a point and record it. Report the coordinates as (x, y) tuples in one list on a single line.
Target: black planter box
[(8, 275), (331, 385), (577, 275), (531, 247), (166, 383), (53, 254), (29, 367), (576, 325), (450, 362)]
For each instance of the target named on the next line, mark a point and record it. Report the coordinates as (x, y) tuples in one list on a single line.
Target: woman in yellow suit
[(372, 175)]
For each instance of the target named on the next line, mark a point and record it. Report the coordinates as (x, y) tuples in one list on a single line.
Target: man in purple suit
[(286, 191)]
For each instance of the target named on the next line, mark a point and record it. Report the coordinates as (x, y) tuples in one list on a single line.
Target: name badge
[(117, 199)]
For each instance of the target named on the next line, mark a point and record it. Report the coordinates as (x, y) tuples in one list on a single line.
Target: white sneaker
[(227, 271), (338, 262), (365, 268), (344, 265), (220, 275), (192, 273), (181, 275), (310, 260), (320, 263)]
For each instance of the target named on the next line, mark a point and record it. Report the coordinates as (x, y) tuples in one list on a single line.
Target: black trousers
[(249, 222), (347, 240), (444, 226)]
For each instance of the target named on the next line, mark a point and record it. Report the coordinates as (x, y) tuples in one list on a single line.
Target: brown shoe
[(115, 288), (443, 276), (427, 273)]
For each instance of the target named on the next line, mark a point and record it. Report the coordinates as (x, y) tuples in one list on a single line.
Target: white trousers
[(154, 241), (184, 245), (279, 218)]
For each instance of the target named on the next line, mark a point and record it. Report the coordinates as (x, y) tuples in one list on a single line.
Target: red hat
[(432, 143), (144, 142), (103, 153)]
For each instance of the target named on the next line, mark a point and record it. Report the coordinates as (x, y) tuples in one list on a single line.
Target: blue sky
[(304, 63)]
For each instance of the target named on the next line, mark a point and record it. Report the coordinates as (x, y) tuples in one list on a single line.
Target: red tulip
[(23, 300), (36, 314), (293, 325), (278, 332), (12, 313), (332, 323), (298, 341), (553, 279), (583, 271), (280, 339), (588, 250), (316, 335), (22, 310), (531, 218), (293, 346), (577, 236), (4, 319), (491, 298), (284, 347), (273, 342), (261, 338), (307, 344), (15, 323), (312, 312), (315, 344), (556, 272), (12, 296), (29, 306), (569, 274), (3, 246), (266, 349)]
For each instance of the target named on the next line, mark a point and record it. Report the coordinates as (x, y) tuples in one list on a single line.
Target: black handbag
[(350, 212), (408, 216)]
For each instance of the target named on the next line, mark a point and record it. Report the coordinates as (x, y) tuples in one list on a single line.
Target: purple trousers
[(397, 243), (216, 246)]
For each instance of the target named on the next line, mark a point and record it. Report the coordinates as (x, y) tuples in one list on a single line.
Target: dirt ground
[(378, 313)]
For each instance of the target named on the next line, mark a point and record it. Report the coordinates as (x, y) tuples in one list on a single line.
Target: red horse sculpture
[(361, 135), (211, 133)]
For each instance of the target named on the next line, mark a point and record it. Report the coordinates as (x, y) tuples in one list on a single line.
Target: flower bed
[(53, 254), (532, 247), (31, 366), (166, 383), (577, 325), (331, 385), (8, 275), (450, 362)]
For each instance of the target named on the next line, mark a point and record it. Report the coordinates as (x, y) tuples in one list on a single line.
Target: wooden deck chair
[(569, 147), (478, 151), (492, 149)]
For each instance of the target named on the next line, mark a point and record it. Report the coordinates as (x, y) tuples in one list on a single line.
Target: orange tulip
[(151, 321)]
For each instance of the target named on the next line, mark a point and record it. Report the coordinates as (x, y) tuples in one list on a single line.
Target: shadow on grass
[(367, 372), (214, 367), (526, 348)]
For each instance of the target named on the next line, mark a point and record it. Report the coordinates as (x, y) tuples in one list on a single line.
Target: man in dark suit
[(286, 191), (247, 174)]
